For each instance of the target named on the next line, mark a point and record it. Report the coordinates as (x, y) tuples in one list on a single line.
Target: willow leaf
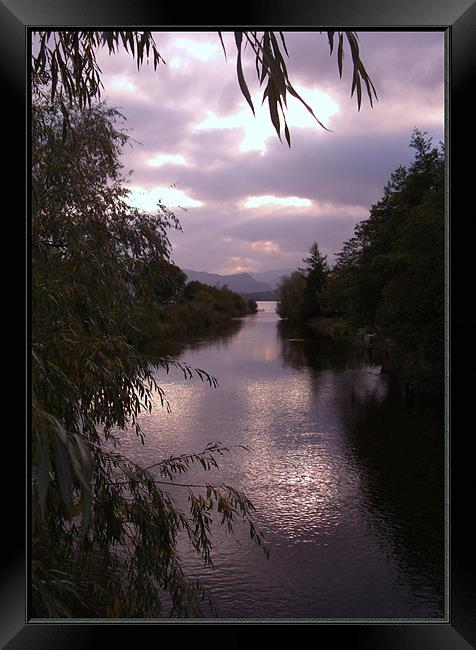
[(239, 70)]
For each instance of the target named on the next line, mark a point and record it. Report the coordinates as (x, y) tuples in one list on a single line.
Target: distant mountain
[(239, 282), (271, 278), (261, 295)]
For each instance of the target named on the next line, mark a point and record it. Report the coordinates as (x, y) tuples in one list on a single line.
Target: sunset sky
[(246, 201)]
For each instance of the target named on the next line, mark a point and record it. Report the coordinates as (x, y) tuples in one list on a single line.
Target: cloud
[(255, 203), (161, 159), (281, 201), (147, 200), (265, 246), (256, 129), (198, 48), (121, 83)]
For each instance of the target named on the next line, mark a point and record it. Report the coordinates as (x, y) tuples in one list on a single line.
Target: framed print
[(241, 391)]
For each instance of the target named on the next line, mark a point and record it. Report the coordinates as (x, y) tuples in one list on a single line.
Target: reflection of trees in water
[(299, 349), (220, 336), (399, 448)]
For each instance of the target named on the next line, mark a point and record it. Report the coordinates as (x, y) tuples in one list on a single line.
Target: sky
[(246, 201)]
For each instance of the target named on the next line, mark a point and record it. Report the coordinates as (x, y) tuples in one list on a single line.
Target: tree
[(316, 273), (291, 297), (339, 288), (300, 295), (99, 518), (412, 307), (390, 274)]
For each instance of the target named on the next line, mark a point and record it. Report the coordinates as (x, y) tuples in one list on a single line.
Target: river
[(346, 474)]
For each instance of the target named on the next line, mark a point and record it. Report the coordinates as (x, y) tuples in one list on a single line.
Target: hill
[(271, 278), (238, 282)]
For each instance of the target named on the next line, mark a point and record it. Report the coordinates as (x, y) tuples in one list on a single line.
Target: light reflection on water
[(334, 470)]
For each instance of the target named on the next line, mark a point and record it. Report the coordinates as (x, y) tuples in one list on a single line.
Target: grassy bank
[(417, 373), (379, 348), (200, 310), (333, 328)]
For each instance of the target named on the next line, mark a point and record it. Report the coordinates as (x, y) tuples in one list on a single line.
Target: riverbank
[(202, 310), (417, 374)]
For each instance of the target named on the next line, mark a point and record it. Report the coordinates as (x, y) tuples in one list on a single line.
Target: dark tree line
[(389, 277), (301, 295), (104, 529)]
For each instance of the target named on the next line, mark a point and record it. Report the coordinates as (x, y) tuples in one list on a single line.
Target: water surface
[(346, 476)]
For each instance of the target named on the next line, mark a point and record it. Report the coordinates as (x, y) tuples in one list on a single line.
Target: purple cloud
[(196, 130)]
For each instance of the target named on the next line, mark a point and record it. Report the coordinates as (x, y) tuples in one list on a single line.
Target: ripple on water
[(326, 490)]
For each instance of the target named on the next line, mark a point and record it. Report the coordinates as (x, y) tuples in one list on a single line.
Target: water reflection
[(345, 475), (220, 336), (298, 349), (400, 452)]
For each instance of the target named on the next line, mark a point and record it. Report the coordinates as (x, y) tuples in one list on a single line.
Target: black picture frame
[(458, 19)]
